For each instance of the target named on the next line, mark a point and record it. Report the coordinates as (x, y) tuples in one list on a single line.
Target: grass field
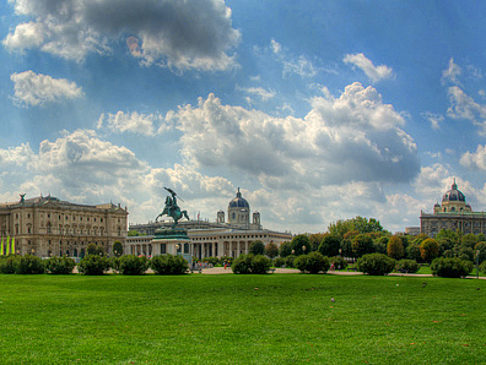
[(273, 319)]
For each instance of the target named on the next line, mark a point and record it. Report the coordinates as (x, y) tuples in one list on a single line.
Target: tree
[(429, 249), (330, 246), (469, 240), (94, 249), (481, 247), (413, 252), (300, 244), (394, 248), (360, 224), (362, 244), (257, 247), (117, 249), (271, 250), (285, 249), (381, 243), (315, 240)]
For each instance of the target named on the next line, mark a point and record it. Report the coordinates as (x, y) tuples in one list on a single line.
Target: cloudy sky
[(318, 110)]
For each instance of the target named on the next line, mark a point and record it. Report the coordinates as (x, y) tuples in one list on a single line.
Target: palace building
[(46, 226), (220, 238), (454, 214)]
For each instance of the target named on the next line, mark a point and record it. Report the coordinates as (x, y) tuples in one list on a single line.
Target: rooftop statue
[(171, 208)]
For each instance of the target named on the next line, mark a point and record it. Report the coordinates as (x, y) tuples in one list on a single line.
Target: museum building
[(46, 226), (219, 238), (454, 214)]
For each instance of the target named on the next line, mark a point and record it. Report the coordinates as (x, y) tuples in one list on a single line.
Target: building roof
[(239, 201), (454, 194)]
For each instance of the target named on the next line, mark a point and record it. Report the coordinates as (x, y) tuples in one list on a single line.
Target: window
[(163, 248)]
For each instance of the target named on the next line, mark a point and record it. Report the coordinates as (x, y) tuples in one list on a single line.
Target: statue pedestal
[(172, 241)]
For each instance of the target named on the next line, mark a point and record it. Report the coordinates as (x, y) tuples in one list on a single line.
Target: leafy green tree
[(133, 232), (271, 250), (257, 247), (362, 244), (330, 246), (117, 249), (394, 248), (429, 249), (300, 244), (481, 247), (469, 240), (413, 252), (360, 224), (347, 248), (315, 240), (285, 249), (380, 243), (94, 249)]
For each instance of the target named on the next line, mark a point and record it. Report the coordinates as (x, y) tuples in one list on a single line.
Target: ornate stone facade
[(47, 226), (454, 214)]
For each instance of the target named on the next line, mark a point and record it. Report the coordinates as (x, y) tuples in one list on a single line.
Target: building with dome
[(453, 213), (231, 237)]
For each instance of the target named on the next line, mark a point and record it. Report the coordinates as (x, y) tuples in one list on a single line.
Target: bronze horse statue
[(171, 208)]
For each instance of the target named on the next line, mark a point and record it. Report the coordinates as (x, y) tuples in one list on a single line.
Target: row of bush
[(93, 265)]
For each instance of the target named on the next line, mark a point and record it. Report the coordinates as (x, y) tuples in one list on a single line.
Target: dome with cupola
[(453, 201), (454, 194), (239, 211), (238, 201)]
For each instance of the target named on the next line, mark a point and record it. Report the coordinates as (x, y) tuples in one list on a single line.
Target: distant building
[(219, 238), (412, 231), (454, 214), (46, 226)]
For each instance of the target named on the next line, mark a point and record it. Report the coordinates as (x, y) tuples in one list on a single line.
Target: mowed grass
[(272, 319)]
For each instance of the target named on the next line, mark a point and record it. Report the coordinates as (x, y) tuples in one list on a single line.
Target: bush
[(114, 263), (339, 262), (257, 247), (169, 265), (429, 249), (59, 265), (211, 260), (481, 246), (482, 267), (29, 264), (251, 264), (289, 261), (450, 267), (228, 260), (94, 265), (260, 264), (133, 265), (407, 266), (279, 261), (394, 248), (376, 264), (312, 263), (93, 249), (413, 252), (8, 264)]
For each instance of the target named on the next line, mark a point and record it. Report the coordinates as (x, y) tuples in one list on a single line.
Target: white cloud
[(462, 106), (292, 64), (130, 122), (452, 73), (180, 35), (434, 119), (351, 138), (276, 47), (260, 92), (475, 160), (374, 73), (33, 89)]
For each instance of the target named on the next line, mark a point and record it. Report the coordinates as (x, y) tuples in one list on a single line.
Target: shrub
[(59, 265), (482, 267), (94, 265), (481, 246), (289, 261), (279, 261), (376, 264), (251, 264), (451, 267), (228, 259), (169, 265), (93, 249), (211, 260), (257, 247), (29, 264), (339, 262), (133, 265), (330, 245), (242, 264), (260, 264), (312, 263), (114, 263), (413, 252), (407, 266), (8, 264), (117, 249), (429, 249)]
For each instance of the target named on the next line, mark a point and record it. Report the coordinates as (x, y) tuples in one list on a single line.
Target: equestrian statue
[(171, 208)]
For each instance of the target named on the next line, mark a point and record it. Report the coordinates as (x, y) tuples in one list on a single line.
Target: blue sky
[(319, 111)]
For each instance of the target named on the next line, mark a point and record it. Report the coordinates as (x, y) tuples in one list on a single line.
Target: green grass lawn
[(272, 319)]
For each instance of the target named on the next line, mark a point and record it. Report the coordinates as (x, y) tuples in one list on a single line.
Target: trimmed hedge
[(279, 261), (133, 265), (376, 264), (407, 266), (29, 264), (59, 265), (451, 267), (169, 265), (251, 264), (94, 265), (312, 263), (7, 264)]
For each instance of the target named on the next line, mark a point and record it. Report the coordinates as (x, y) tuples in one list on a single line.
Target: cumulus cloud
[(475, 160), (178, 34), (452, 73), (463, 106), (374, 73), (351, 138), (129, 122), (31, 89)]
